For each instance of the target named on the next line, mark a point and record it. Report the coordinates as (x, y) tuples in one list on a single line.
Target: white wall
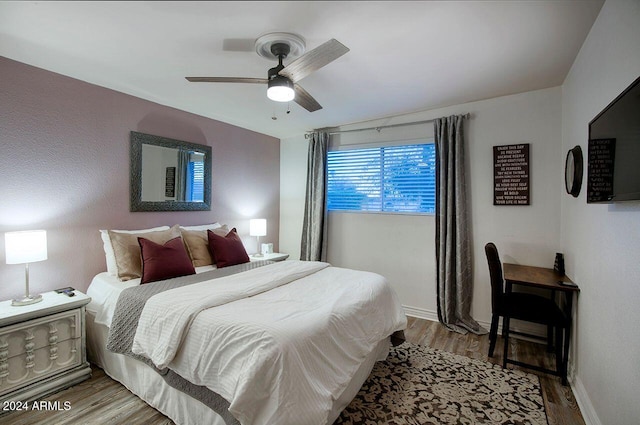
[(401, 247), (293, 181), (602, 242)]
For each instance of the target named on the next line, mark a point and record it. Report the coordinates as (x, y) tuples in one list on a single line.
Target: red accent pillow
[(227, 250), (161, 262)]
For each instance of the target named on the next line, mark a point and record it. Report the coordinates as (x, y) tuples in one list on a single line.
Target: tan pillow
[(112, 269), (127, 250), (198, 245)]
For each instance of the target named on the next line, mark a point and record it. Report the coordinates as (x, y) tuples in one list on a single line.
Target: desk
[(540, 277)]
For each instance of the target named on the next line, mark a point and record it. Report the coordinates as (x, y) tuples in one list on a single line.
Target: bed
[(256, 343)]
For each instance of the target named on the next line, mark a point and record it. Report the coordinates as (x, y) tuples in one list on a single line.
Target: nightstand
[(42, 347), (274, 256)]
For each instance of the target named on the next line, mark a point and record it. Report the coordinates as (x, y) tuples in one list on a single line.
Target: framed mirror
[(573, 171), (169, 175)]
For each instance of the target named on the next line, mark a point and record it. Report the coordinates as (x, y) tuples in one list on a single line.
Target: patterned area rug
[(419, 385)]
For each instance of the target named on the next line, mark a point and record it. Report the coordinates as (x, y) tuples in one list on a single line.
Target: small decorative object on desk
[(267, 248), (559, 264)]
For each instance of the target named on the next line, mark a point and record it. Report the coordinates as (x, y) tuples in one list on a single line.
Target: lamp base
[(257, 255), (27, 299)]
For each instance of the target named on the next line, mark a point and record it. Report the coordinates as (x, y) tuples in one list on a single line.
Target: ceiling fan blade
[(227, 80), (304, 99), (314, 60)]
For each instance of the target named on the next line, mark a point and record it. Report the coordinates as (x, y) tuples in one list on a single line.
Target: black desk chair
[(522, 306)]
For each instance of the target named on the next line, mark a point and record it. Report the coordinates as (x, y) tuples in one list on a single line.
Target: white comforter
[(282, 342)]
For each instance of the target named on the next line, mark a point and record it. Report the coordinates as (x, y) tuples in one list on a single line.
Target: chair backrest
[(495, 271)]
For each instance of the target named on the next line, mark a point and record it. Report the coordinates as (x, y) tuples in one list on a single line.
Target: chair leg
[(505, 333), (493, 333)]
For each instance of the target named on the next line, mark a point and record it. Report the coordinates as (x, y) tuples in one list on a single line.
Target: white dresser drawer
[(39, 333), (39, 348), (42, 366)]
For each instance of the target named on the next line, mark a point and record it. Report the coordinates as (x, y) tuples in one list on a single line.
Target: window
[(195, 178), (397, 179)]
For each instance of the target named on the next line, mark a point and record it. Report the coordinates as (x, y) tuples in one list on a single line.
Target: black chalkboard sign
[(511, 175), (602, 154), (170, 182)]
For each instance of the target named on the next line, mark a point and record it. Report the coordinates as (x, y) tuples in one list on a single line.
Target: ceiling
[(405, 56)]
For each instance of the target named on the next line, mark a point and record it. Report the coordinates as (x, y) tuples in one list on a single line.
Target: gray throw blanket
[(125, 322)]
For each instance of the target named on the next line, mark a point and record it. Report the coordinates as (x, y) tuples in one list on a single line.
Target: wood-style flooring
[(103, 401)]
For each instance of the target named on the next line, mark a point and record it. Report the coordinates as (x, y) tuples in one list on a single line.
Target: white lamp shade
[(281, 93), (258, 227), (25, 247)]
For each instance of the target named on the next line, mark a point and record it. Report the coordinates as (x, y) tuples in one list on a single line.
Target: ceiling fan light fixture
[(280, 89)]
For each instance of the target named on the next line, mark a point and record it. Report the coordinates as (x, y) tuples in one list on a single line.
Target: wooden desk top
[(540, 277)]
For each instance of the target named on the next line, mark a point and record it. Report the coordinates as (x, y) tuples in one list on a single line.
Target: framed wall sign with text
[(511, 175), (602, 153)]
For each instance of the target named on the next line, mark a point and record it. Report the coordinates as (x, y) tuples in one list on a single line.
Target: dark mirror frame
[(136, 202), (573, 174)]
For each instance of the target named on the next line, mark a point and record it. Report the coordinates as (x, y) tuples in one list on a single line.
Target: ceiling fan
[(282, 81)]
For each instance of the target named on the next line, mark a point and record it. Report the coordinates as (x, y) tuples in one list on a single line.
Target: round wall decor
[(573, 171)]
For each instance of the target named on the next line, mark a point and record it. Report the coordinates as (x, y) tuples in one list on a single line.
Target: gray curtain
[(181, 175), (314, 228), (453, 244)]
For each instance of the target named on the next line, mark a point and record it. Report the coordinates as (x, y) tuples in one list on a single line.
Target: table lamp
[(24, 248), (258, 227)]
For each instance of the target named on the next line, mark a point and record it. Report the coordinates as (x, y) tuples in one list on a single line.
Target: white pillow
[(112, 269), (211, 226)]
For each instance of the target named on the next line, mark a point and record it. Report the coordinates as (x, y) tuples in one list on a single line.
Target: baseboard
[(420, 313), (584, 402), (530, 328)]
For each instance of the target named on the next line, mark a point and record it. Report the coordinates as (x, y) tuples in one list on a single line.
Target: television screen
[(614, 150)]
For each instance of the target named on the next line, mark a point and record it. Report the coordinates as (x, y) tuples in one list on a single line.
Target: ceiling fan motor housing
[(280, 50)]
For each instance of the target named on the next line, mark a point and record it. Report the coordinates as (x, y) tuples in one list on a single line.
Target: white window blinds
[(195, 179), (396, 179)]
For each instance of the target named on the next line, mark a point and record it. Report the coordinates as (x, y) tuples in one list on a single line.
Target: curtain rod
[(380, 127)]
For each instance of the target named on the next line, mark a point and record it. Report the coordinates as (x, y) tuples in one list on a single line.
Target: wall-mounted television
[(614, 150)]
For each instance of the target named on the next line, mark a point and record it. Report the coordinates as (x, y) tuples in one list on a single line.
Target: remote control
[(68, 291)]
